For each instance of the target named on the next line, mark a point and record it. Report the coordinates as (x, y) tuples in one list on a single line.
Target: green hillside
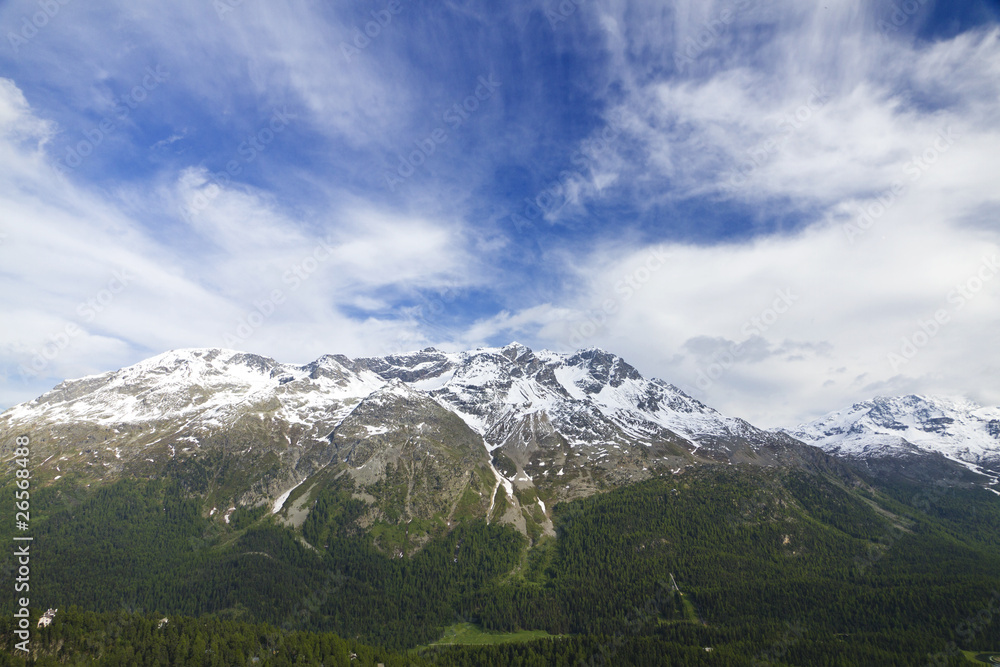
[(758, 564)]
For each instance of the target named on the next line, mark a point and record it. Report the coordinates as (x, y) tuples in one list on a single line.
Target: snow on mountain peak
[(589, 398), (955, 427), (199, 381)]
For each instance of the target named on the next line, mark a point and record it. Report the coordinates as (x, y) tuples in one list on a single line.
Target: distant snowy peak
[(954, 427)]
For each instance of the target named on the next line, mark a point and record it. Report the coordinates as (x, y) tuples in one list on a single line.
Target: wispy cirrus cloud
[(88, 285), (856, 169), (834, 152)]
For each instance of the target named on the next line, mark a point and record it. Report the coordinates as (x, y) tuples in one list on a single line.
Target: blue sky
[(780, 207)]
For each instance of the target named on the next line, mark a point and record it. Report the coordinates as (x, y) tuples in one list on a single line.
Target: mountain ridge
[(499, 432)]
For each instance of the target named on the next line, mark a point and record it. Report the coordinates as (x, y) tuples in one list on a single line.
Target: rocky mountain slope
[(502, 433)]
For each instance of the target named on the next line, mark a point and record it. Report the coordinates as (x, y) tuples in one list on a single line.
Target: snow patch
[(281, 499), (432, 383)]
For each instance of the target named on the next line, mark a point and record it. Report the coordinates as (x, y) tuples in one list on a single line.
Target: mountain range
[(360, 507), (500, 433)]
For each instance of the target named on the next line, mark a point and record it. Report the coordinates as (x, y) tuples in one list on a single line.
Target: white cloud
[(17, 123), (825, 109), (86, 287), (912, 123), (289, 55), (696, 104), (790, 327), (538, 323)]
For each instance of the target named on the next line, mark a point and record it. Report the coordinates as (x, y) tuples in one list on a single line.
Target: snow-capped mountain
[(908, 426), (593, 400), (513, 426), (207, 387)]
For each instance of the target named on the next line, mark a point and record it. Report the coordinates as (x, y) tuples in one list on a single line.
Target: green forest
[(717, 566)]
